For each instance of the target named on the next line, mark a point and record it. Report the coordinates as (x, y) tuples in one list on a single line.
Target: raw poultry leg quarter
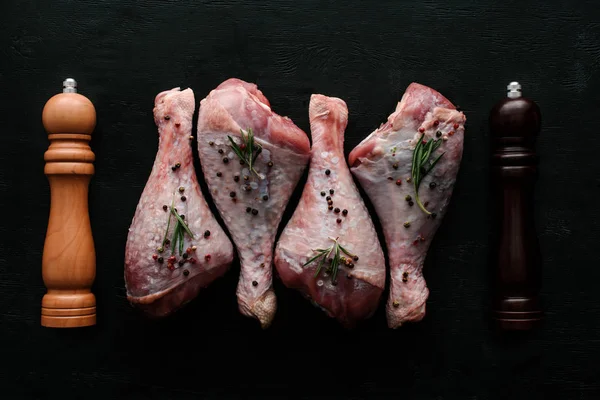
[(175, 246), (408, 168), (329, 249), (252, 160)]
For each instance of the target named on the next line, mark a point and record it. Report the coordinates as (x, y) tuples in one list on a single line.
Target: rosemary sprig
[(332, 252), (250, 150), (178, 232), (421, 165)]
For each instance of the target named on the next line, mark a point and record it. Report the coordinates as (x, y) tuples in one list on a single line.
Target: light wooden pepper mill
[(69, 259)]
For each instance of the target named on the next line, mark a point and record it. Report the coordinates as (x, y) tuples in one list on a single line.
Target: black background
[(122, 53)]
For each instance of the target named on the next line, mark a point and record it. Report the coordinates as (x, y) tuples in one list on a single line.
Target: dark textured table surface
[(123, 53)]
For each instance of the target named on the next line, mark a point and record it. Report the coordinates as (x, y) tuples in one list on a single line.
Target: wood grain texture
[(122, 53)]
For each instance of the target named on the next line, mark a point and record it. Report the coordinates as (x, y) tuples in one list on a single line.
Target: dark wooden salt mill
[(69, 258), (517, 268)]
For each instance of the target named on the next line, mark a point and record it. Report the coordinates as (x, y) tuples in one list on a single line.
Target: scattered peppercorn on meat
[(329, 250), (252, 160), (408, 168), (174, 246)]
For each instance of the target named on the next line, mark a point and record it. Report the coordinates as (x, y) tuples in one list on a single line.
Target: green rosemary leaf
[(415, 152), (175, 238), (314, 258), (345, 251), (181, 240), (236, 149), (435, 162), (319, 267), (335, 263), (184, 225)]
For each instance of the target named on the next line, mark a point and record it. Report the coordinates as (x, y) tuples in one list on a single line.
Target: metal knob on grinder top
[(517, 267), (69, 258)]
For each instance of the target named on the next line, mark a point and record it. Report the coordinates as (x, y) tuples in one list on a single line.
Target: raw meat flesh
[(251, 201), (162, 282), (382, 163), (330, 208)]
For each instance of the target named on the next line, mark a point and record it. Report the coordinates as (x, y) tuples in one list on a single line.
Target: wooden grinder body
[(69, 258), (517, 270)]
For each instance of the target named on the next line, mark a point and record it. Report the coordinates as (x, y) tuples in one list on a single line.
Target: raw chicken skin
[(251, 206), (355, 293), (382, 164), (159, 288)]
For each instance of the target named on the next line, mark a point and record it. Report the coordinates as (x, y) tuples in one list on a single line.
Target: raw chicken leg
[(251, 175), (331, 213), (165, 266), (383, 164)]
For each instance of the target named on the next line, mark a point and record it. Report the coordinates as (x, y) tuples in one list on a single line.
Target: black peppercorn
[(219, 174), (183, 198), (330, 207), (173, 168), (270, 164), (167, 117), (410, 203), (211, 143), (182, 216), (165, 207), (177, 165), (185, 255), (322, 193), (408, 197), (160, 260), (254, 283), (438, 134), (327, 172), (186, 272), (336, 210), (221, 151), (225, 160), (236, 178), (339, 221), (331, 191), (334, 283), (181, 189), (432, 185), (345, 212), (395, 165), (248, 209), (328, 198), (231, 194), (433, 215), (265, 197), (254, 211), (181, 262), (206, 233), (355, 258)]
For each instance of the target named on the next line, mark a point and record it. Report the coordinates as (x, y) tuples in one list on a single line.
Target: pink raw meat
[(382, 163), (251, 203), (161, 282), (331, 208)]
